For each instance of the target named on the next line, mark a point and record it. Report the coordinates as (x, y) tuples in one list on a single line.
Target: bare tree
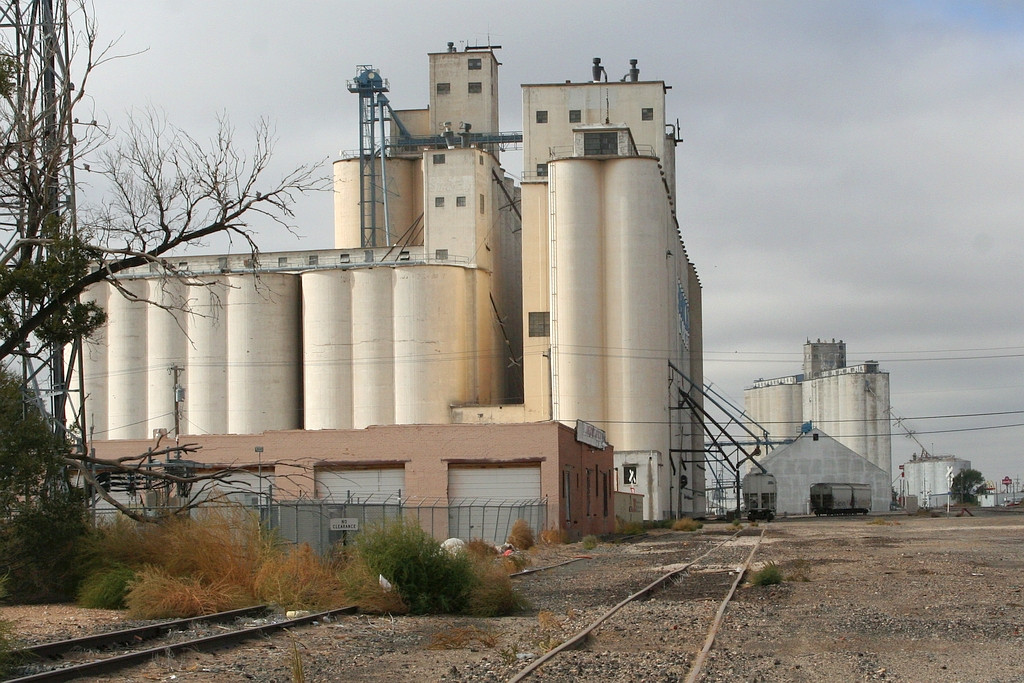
[(164, 191)]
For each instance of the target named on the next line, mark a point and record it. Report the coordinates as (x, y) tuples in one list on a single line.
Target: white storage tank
[(127, 361), (206, 394), (405, 201), (577, 305), (433, 357), (327, 349), (373, 372), (166, 349), (264, 353), (635, 271), (94, 367)]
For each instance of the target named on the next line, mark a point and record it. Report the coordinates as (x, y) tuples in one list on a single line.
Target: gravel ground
[(893, 599)]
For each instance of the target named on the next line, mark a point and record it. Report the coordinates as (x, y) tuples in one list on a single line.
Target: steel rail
[(208, 642), (130, 635), (580, 637), (698, 663), (534, 570)]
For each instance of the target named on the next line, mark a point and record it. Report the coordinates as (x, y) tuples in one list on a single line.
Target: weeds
[(157, 594), (298, 579), (106, 589), (554, 536), (686, 524), (521, 535), (628, 528), (768, 575), (429, 579), (298, 670), (589, 542), (462, 637), (492, 594)]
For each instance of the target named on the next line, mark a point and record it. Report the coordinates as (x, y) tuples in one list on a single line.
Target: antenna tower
[(37, 183)]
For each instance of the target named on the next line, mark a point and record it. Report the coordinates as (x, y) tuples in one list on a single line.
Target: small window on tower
[(647, 114), (282, 261), (575, 116), (314, 259), (540, 324), (542, 116), (475, 64), (483, 205), (542, 170), (438, 158), (475, 87), (444, 88), (460, 201), (438, 201)]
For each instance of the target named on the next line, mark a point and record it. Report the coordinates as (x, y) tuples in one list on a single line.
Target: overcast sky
[(851, 170)]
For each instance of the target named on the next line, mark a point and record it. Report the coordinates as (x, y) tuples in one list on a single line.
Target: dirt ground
[(892, 598)]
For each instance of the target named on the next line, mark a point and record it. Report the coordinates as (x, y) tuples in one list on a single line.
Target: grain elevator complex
[(466, 336)]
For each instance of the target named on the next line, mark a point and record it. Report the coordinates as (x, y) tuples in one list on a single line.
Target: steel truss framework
[(37, 187)]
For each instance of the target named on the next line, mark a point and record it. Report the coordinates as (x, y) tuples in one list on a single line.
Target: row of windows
[(440, 159), (446, 88), (460, 202), (576, 115)]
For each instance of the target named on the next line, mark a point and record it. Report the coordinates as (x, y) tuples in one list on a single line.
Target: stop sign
[(1007, 481)]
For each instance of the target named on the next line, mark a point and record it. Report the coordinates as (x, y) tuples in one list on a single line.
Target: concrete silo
[(127, 362), (327, 348)]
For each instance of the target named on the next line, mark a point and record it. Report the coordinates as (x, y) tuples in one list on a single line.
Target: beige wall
[(425, 452)]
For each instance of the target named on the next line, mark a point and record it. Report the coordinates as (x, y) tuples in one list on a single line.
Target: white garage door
[(361, 486), (484, 502), (495, 483)]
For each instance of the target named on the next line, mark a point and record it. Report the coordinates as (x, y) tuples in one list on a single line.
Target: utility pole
[(179, 397)]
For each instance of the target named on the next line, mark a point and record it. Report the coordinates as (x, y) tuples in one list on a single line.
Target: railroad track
[(713, 574), (136, 636)]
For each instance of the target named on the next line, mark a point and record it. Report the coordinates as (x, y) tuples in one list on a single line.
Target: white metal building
[(465, 299), (816, 457), (850, 403)]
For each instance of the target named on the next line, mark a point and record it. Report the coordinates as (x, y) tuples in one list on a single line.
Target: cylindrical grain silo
[(636, 305), (852, 404), (432, 360), (264, 353), (206, 391), (94, 367), (577, 296), (126, 361), (327, 349), (404, 202), (373, 355), (166, 349)]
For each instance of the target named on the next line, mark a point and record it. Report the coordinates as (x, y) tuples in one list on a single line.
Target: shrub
[(362, 587), (554, 536), (768, 575), (521, 535), (156, 594), (492, 594), (428, 578), (686, 524), (589, 542), (298, 579), (37, 548), (628, 528), (480, 549), (106, 589)]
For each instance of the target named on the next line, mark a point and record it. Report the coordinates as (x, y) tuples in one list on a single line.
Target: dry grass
[(686, 524), (480, 549), (554, 537), (298, 579), (156, 594), (549, 622), (628, 528), (462, 637), (521, 535), (362, 587), (492, 594)]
